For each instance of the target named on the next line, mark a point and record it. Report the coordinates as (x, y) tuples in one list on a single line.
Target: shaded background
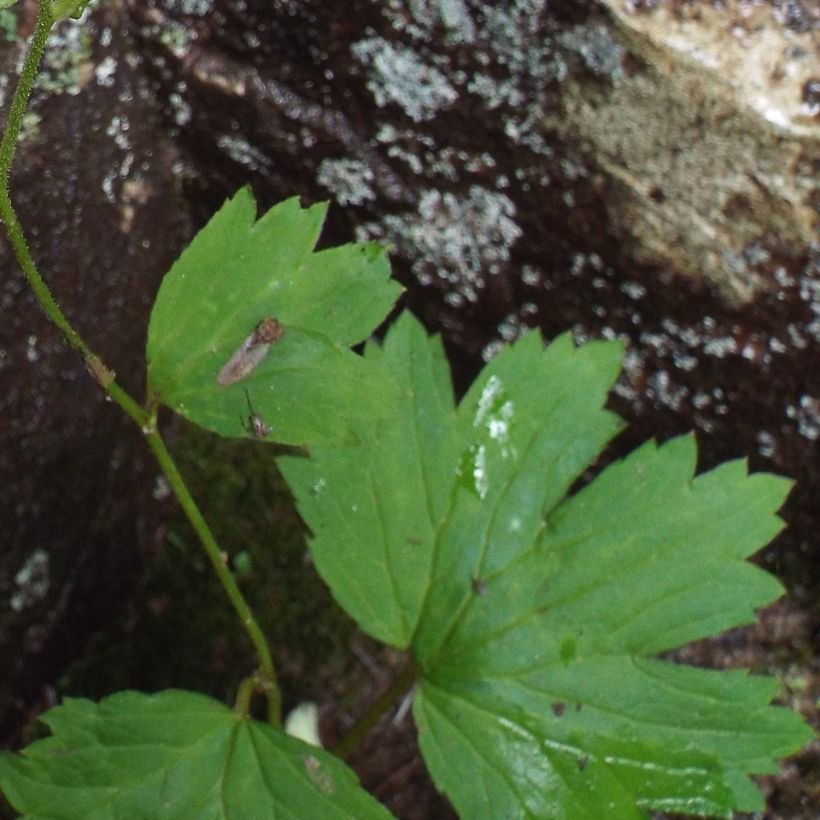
[(639, 169)]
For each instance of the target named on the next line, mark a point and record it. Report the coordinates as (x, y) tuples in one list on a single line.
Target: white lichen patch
[(31, 582), (193, 8), (491, 349), (181, 108), (663, 390), (427, 16), (32, 352), (502, 58), (67, 65), (175, 37), (242, 152), (809, 291), (596, 47), (398, 75), (807, 416), (105, 72), (512, 29), (495, 92), (510, 327), (349, 180), (766, 444), (456, 240), (117, 129)]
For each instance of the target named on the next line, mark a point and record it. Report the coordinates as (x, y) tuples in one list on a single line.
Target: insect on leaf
[(251, 309), (251, 352)]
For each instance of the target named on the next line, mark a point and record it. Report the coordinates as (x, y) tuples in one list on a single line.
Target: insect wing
[(243, 362), (247, 357)]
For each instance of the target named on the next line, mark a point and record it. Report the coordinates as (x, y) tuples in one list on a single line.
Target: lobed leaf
[(535, 613), (375, 508), (175, 755), (238, 272), (530, 425)]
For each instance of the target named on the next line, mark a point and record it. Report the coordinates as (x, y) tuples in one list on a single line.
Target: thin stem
[(219, 562), (257, 684), (28, 75), (404, 680), (8, 145), (244, 696), (266, 678)]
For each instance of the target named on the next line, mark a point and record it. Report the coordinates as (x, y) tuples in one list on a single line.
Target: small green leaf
[(535, 613), (175, 755), (303, 386), (63, 9)]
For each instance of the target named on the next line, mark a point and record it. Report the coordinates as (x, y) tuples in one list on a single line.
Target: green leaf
[(306, 386), (175, 755), (535, 612), (375, 509), (529, 426), (63, 9)]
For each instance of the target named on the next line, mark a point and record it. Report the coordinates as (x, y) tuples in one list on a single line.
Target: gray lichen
[(67, 64), (32, 581), (458, 240), (398, 75), (351, 181)]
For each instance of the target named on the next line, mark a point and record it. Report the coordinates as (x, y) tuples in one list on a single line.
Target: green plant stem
[(244, 695), (404, 680), (17, 109), (219, 562), (266, 680), (14, 121)]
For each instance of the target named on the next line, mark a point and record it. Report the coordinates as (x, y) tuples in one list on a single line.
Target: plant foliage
[(235, 274), (176, 756), (535, 615), (534, 611)]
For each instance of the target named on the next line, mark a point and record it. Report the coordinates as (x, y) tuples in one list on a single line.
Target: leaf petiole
[(404, 680)]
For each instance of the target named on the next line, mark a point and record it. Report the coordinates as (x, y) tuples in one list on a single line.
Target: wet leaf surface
[(535, 614)]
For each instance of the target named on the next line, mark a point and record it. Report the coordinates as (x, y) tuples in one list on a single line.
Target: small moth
[(255, 424), (251, 352)]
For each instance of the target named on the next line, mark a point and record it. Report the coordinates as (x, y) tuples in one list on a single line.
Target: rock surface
[(709, 129), (644, 170)]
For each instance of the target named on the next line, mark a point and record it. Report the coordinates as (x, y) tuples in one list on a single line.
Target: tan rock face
[(710, 130)]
